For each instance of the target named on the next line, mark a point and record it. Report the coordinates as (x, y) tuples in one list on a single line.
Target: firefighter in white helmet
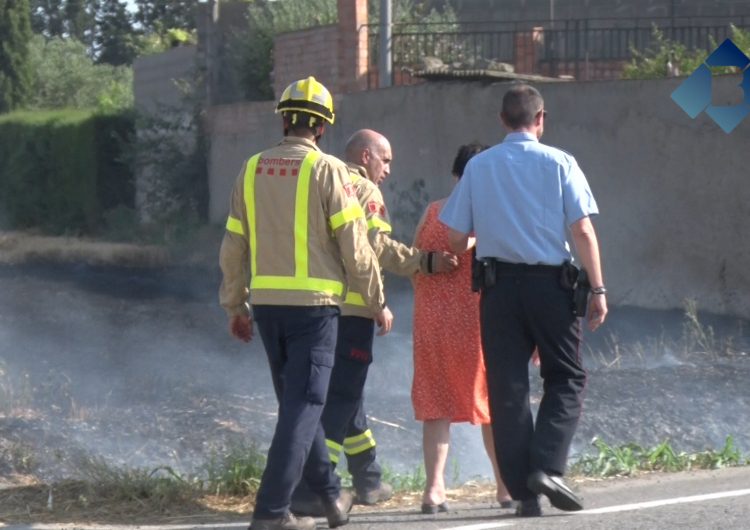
[(296, 237)]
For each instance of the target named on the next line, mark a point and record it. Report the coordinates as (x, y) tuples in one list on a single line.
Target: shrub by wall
[(60, 170)]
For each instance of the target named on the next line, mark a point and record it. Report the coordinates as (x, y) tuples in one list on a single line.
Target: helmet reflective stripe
[(307, 95), (301, 280)]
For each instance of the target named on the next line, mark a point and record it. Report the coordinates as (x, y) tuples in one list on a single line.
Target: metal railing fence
[(562, 43)]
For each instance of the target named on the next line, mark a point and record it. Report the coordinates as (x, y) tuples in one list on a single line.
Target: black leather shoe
[(529, 508), (287, 522), (558, 493), (380, 494), (337, 512)]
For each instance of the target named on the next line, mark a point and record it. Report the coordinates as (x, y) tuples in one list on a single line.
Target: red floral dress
[(449, 374)]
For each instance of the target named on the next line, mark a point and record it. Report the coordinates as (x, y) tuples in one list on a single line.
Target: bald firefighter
[(368, 155), (295, 234)]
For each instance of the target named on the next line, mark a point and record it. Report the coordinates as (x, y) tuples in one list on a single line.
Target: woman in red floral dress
[(449, 382)]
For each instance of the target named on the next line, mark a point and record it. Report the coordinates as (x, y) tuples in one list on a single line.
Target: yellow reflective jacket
[(393, 256), (296, 233)]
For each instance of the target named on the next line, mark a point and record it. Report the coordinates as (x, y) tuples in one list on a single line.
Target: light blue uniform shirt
[(519, 198)]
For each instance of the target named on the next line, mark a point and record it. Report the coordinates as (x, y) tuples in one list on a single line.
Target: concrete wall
[(156, 77), (218, 23), (237, 132), (673, 192)]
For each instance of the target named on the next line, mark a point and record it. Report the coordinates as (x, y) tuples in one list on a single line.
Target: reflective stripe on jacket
[(295, 233), (393, 256)]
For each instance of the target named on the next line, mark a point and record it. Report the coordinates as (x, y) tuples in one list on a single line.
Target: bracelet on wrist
[(598, 290)]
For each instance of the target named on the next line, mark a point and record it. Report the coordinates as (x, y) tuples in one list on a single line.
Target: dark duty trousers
[(525, 308), (344, 419), (300, 343)]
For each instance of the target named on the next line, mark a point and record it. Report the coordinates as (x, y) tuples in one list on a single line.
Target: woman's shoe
[(432, 509)]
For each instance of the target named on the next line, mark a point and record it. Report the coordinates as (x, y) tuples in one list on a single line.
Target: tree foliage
[(156, 43), (252, 50), (64, 76), (665, 57), (160, 16), (741, 37), (111, 32), (413, 12), (116, 42), (15, 32), (64, 18)]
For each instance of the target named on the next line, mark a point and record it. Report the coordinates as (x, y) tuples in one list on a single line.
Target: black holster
[(482, 272), (581, 294), (576, 280)]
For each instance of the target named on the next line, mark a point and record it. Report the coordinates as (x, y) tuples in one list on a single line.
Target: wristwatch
[(598, 290)]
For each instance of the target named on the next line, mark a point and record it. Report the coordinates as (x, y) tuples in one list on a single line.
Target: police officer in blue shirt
[(521, 199)]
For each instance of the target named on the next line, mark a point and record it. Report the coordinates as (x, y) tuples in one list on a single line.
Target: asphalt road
[(695, 500)]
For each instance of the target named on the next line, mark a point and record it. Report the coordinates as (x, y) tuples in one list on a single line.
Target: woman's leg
[(435, 443), (502, 494)]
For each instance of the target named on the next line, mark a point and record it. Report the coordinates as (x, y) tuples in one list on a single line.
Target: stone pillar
[(526, 45), (353, 53)]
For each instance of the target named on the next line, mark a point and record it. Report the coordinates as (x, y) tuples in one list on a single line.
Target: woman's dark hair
[(465, 152)]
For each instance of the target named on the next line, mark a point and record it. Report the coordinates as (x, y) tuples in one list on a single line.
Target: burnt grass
[(134, 369)]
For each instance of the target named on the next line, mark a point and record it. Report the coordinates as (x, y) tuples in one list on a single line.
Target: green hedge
[(61, 170)]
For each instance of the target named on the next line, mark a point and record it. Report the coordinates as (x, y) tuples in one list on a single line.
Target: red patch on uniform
[(373, 207), (294, 172), (382, 210), (359, 355), (258, 170), (349, 189), (282, 172), (270, 171)]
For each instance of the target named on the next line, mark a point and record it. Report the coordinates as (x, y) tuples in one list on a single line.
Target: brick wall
[(400, 77), (312, 51), (335, 55)]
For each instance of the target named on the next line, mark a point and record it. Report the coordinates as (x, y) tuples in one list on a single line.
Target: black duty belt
[(504, 266)]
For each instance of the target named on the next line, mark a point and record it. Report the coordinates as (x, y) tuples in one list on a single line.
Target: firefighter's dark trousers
[(525, 308), (300, 343), (344, 419)]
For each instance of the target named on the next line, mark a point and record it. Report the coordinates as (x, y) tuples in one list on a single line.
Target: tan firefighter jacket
[(393, 256), (296, 233)]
